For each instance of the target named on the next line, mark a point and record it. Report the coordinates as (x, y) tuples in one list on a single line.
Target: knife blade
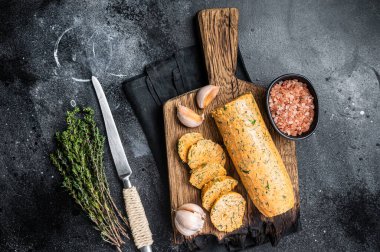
[(117, 149), (135, 210)]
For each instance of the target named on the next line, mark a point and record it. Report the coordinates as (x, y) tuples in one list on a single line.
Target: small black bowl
[(302, 79)]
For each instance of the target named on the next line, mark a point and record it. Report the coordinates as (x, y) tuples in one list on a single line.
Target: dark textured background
[(334, 43)]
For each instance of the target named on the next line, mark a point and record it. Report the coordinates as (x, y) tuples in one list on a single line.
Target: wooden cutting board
[(219, 33)]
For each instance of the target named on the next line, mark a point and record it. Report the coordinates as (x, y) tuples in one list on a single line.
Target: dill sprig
[(79, 158)]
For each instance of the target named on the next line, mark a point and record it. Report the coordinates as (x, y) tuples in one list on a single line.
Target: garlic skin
[(206, 95), (189, 219), (188, 117)]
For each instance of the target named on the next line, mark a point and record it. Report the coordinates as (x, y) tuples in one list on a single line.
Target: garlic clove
[(193, 208), (206, 95), (189, 219), (183, 230), (188, 117)]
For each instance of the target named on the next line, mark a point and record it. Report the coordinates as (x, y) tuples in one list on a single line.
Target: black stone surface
[(334, 43)]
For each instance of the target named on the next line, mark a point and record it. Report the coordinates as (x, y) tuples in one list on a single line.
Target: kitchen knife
[(135, 210)]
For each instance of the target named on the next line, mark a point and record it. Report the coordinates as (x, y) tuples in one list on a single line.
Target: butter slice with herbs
[(227, 213), (205, 152), (216, 187), (204, 174), (185, 142)]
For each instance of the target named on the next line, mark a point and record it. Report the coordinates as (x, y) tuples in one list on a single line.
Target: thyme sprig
[(79, 158)]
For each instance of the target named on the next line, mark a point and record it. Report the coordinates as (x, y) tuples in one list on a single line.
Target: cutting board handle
[(219, 33)]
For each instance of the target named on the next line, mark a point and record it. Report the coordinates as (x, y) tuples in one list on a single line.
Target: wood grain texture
[(219, 37)]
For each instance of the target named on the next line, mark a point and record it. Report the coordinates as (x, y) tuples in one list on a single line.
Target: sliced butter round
[(228, 212), (216, 187)]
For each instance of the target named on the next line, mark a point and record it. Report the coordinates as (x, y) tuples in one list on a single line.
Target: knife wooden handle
[(137, 219)]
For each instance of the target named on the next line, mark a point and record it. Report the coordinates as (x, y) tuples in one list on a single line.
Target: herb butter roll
[(255, 155)]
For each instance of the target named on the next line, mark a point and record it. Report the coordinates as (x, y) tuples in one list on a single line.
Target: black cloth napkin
[(161, 81)]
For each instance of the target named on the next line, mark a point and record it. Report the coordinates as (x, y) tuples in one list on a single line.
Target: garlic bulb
[(189, 219), (206, 94), (188, 117)]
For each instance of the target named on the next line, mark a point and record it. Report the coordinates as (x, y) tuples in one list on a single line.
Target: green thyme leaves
[(79, 159), (267, 186), (252, 121), (245, 171)]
